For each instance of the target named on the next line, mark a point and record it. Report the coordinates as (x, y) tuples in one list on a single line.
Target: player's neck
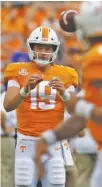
[(44, 68)]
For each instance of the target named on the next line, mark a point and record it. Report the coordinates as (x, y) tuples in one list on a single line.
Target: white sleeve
[(13, 83), (81, 93), (71, 89), (1, 102)]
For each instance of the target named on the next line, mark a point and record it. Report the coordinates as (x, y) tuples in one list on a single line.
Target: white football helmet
[(89, 19), (42, 35)]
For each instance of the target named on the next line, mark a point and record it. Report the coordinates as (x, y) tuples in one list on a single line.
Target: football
[(66, 20)]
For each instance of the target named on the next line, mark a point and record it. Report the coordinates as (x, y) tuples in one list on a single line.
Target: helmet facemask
[(42, 58)]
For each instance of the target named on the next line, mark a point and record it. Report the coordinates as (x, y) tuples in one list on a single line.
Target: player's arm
[(65, 94), (14, 95), (70, 103), (71, 96), (83, 111), (3, 121), (88, 110), (67, 129), (70, 127), (12, 98)]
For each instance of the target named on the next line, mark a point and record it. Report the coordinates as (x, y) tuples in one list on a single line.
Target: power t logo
[(23, 148)]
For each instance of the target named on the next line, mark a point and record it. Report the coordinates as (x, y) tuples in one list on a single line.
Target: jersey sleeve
[(73, 76), (92, 65), (11, 73)]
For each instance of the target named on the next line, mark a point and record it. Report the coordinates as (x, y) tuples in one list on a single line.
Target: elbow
[(6, 107)]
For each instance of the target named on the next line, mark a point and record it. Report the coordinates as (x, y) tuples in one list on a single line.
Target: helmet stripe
[(45, 33)]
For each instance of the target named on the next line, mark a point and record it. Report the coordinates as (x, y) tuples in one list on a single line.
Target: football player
[(38, 90), (88, 111)]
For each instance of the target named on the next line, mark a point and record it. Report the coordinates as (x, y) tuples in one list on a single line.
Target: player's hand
[(41, 148), (57, 84), (32, 82)]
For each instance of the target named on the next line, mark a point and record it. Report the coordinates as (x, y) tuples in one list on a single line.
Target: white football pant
[(25, 168)]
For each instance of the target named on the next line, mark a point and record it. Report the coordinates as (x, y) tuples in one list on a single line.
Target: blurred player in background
[(89, 111), (39, 91)]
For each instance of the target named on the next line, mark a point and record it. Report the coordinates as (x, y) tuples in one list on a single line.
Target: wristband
[(84, 109), (66, 96), (23, 93), (49, 136)]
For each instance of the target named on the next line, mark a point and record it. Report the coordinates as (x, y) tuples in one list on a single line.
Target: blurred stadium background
[(18, 19)]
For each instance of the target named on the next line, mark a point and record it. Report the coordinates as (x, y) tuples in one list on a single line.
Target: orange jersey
[(92, 70), (43, 109)]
